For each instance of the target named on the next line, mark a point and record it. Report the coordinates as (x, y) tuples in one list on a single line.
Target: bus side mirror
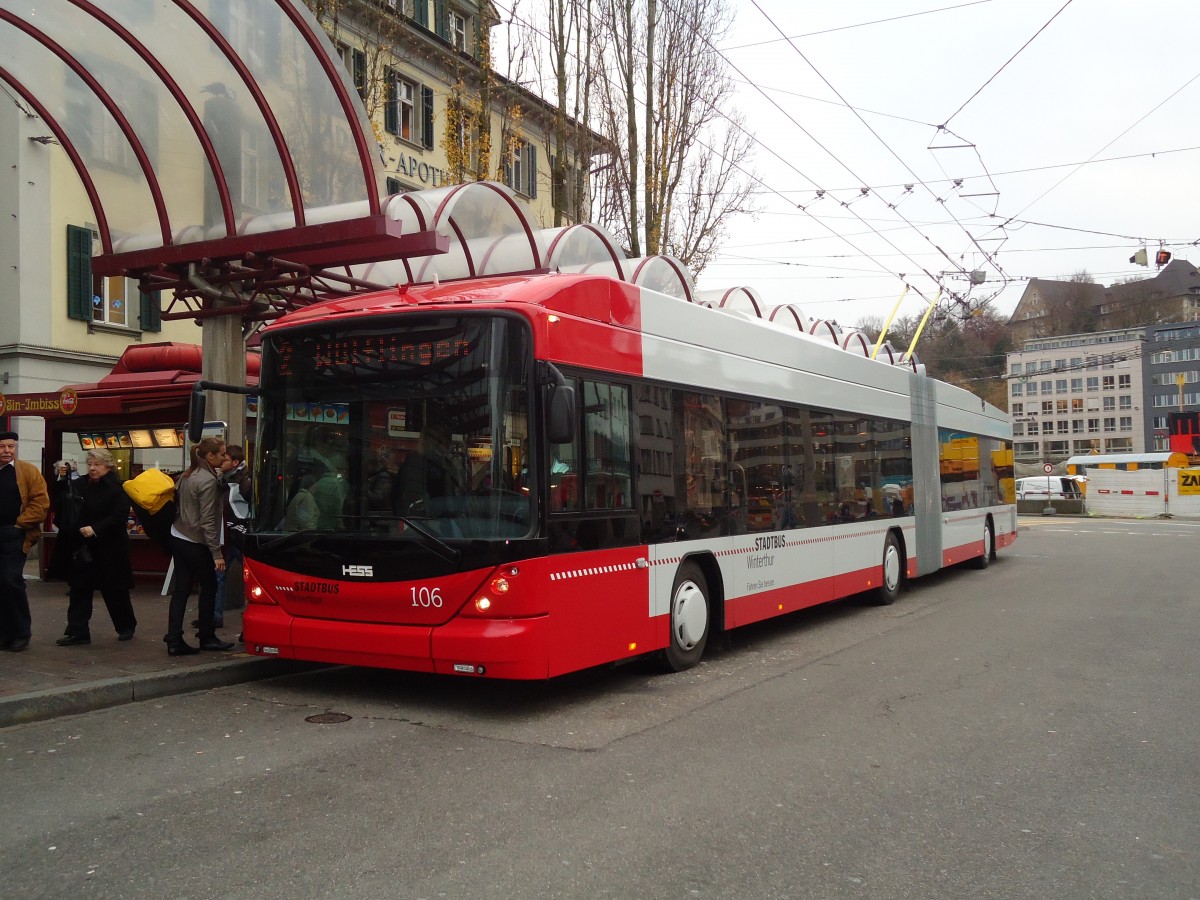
[(196, 408), (560, 404), (560, 415)]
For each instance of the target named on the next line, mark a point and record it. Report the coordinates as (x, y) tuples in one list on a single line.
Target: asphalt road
[(1028, 731)]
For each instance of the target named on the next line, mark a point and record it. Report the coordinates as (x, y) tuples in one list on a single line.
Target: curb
[(38, 706)]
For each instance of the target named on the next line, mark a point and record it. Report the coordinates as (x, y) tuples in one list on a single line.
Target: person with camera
[(93, 539)]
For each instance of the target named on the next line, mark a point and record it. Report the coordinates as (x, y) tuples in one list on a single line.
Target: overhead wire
[(858, 25), (1006, 63), (887, 146), (790, 164)]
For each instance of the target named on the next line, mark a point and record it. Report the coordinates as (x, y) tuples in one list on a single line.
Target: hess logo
[(359, 571)]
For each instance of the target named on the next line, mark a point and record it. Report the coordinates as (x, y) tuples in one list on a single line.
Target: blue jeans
[(233, 559), (15, 622)]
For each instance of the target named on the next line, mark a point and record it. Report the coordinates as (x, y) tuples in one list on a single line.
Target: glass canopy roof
[(229, 131), (186, 120)]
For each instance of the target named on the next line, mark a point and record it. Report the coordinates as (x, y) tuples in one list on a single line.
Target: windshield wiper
[(295, 537), (426, 538)]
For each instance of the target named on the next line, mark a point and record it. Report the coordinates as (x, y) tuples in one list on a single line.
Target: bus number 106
[(427, 597)]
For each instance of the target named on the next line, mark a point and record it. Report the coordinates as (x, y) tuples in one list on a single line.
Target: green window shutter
[(151, 315), (79, 273), (421, 13), (531, 172), (391, 115), (441, 19), (427, 117), (394, 186), (359, 62)]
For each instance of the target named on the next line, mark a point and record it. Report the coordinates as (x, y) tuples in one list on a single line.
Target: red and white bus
[(606, 472)]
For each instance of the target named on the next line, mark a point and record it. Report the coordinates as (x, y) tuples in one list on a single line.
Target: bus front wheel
[(690, 618)]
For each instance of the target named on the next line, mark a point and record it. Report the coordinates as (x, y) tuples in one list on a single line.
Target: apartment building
[(1072, 394)]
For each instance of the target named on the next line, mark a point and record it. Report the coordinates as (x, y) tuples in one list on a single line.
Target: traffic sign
[(1048, 468)]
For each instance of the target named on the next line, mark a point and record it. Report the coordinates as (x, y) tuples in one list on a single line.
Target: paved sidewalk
[(47, 680)]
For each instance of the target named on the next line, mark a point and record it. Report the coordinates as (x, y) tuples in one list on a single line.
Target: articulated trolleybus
[(520, 476)]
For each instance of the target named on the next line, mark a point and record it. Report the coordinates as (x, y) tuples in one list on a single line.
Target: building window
[(1026, 450), (1093, 426), (1123, 382), (1109, 383), (110, 300), (1033, 428), (1018, 429), (355, 62), (1077, 426), (1060, 407), (1109, 404), (458, 31), (1076, 385), (406, 109), (1064, 427), (104, 301), (408, 113), (1126, 401), (1031, 389), (1047, 387), (521, 171), (1077, 405), (1060, 386), (1016, 388), (1048, 407), (1119, 445), (1110, 423), (1093, 383), (1018, 408), (1127, 423)]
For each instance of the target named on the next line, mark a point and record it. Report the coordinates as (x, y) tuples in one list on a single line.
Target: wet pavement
[(47, 680)]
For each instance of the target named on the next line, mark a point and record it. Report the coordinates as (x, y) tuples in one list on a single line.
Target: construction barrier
[(1144, 494)]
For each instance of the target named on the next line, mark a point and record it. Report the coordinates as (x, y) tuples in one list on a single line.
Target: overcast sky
[(1081, 116)]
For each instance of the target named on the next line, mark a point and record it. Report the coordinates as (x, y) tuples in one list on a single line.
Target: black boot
[(179, 647)]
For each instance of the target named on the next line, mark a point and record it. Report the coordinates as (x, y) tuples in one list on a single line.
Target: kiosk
[(138, 412)]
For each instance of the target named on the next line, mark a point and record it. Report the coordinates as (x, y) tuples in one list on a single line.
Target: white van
[(1048, 487)]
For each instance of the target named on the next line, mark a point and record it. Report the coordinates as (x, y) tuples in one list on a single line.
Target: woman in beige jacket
[(196, 547)]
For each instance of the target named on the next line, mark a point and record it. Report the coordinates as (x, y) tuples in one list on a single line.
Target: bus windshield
[(415, 428)]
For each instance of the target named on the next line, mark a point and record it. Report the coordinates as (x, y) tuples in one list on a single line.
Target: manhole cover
[(328, 718)]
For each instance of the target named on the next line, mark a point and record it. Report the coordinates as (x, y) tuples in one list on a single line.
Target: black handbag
[(70, 517)]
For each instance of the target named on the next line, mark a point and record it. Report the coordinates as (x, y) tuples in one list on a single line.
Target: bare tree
[(570, 144), (684, 170), (1137, 301), (1076, 311)]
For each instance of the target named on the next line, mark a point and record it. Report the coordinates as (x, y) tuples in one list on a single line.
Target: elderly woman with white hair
[(98, 549)]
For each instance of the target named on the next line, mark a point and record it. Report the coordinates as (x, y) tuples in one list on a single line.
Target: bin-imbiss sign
[(65, 402)]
